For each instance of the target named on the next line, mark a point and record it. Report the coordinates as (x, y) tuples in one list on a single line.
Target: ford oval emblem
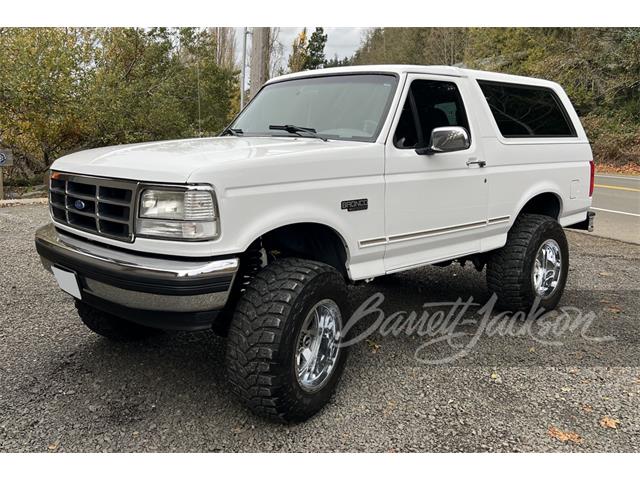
[(79, 204)]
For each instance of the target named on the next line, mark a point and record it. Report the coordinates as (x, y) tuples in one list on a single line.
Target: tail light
[(592, 180)]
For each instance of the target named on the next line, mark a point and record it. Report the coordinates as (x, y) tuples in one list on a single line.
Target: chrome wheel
[(547, 268), (317, 345)]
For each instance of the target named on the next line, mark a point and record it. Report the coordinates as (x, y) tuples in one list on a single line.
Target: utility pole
[(244, 66), (260, 50)]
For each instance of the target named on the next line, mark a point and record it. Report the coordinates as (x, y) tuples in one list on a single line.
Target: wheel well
[(312, 241), (543, 204)]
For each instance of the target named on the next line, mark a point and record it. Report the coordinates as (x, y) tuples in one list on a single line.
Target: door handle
[(473, 161)]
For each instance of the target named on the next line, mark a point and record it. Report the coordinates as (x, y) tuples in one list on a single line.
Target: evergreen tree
[(315, 49), (336, 62)]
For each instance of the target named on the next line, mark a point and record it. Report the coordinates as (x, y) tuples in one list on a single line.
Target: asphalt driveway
[(63, 389)]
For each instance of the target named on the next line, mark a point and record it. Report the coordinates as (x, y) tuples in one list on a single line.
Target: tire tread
[(506, 275), (255, 373)]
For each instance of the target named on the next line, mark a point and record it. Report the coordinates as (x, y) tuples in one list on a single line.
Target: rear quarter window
[(526, 111)]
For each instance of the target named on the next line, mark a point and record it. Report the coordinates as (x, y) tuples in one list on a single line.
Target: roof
[(420, 69)]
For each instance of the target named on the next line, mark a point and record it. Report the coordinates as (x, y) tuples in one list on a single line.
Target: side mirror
[(446, 139)]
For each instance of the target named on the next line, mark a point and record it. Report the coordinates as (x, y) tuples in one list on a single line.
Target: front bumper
[(162, 292)]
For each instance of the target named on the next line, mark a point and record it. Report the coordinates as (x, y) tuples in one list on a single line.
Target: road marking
[(615, 187), (616, 211), (618, 177)]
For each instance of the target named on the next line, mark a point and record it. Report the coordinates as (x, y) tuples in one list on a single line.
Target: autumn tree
[(299, 52)]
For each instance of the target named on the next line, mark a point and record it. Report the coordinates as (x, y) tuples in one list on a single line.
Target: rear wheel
[(112, 327), (532, 265), (283, 354)]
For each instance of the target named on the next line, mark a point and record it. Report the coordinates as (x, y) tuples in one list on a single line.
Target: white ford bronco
[(326, 178)]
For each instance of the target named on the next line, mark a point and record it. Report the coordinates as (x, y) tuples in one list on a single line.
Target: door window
[(430, 104)]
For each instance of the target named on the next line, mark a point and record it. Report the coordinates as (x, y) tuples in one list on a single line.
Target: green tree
[(598, 67), (422, 46), (315, 49), (337, 62), (64, 89), (44, 78)]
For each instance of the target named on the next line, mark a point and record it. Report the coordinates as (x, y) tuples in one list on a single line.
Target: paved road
[(63, 389), (616, 200)]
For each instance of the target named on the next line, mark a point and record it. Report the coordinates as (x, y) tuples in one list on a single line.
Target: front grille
[(98, 205)]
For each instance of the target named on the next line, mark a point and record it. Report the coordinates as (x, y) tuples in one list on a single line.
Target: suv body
[(407, 166)]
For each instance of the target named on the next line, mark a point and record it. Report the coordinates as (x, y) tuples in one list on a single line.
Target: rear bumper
[(586, 224), (156, 291)]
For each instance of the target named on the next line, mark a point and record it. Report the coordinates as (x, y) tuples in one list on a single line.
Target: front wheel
[(533, 265), (283, 355)]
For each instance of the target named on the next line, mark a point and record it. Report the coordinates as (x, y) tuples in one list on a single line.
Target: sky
[(343, 41)]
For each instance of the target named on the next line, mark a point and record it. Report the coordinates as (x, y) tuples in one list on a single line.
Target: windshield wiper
[(236, 132), (298, 130)]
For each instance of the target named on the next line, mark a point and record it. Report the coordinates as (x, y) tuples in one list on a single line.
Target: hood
[(174, 161)]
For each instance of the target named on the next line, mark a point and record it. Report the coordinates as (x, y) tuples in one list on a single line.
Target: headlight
[(178, 213)]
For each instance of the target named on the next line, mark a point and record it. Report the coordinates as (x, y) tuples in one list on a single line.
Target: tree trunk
[(259, 59)]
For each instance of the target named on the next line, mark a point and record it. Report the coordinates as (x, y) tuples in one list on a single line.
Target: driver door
[(436, 205)]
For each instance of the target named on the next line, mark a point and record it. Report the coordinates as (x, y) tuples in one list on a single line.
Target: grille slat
[(80, 212), (98, 205), (91, 198), (114, 202), (112, 219)]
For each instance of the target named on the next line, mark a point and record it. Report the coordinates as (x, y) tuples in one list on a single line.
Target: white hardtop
[(421, 69)]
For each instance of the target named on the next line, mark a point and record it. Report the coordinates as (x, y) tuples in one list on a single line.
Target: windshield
[(344, 107)]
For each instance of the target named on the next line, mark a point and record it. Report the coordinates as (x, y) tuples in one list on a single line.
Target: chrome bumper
[(137, 281), (586, 224), (590, 218)]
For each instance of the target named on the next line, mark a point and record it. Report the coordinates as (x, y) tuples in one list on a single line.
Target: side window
[(429, 104), (527, 111)]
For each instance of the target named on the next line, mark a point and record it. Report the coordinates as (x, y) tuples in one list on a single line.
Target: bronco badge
[(355, 205)]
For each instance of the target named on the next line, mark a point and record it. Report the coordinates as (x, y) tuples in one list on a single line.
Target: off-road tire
[(261, 344), (509, 269), (112, 327)]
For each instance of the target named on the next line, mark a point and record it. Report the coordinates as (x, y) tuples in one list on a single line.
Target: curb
[(23, 201)]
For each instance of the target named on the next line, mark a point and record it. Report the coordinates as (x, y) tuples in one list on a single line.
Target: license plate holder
[(67, 281)]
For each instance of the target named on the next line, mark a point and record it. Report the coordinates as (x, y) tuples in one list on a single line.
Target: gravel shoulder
[(63, 389)]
